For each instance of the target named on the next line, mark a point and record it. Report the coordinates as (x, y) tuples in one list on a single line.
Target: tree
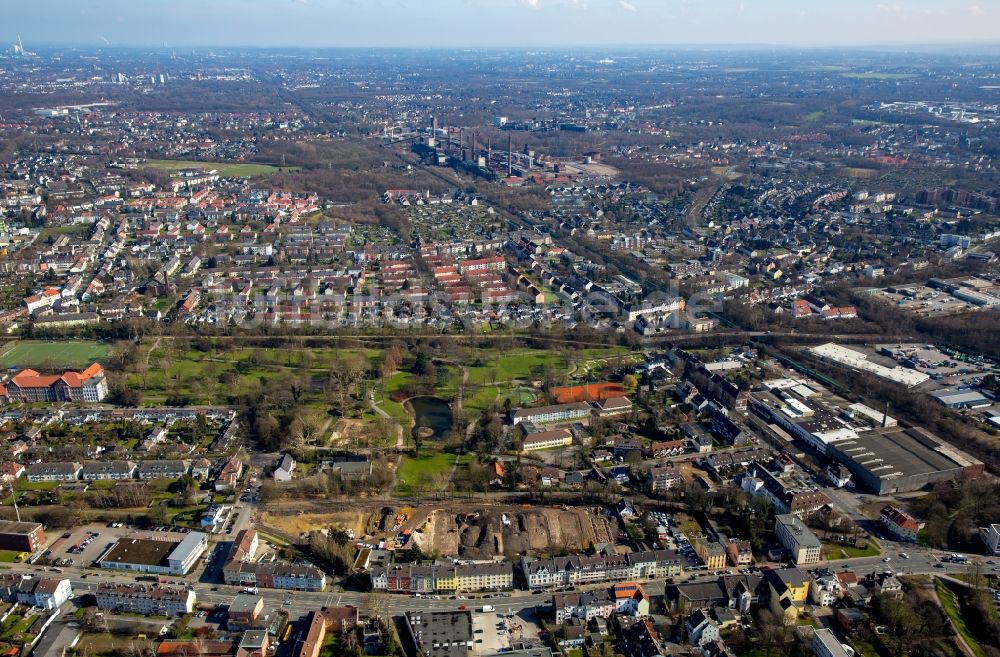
[(268, 431), (345, 376), (421, 364), (418, 440)]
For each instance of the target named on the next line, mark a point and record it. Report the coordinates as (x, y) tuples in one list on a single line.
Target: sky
[(521, 23)]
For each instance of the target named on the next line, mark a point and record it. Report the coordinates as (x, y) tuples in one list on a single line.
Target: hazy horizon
[(442, 24)]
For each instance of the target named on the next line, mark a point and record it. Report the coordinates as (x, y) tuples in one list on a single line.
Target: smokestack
[(489, 151), (510, 156), (434, 126), (461, 143), (473, 155), (885, 416)]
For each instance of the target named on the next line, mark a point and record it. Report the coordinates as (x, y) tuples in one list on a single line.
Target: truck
[(487, 608)]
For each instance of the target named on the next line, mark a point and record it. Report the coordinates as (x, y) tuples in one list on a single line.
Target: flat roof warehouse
[(902, 460), (139, 551), (859, 361), (155, 556)]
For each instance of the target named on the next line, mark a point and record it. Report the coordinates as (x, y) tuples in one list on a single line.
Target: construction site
[(469, 531)]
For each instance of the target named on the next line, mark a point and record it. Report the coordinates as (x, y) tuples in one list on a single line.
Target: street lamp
[(13, 498)]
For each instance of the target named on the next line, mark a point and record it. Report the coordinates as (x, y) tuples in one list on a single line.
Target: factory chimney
[(489, 151), (885, 416), (510, 156)]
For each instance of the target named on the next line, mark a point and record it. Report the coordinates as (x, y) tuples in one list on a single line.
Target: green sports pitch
[(43, 355)]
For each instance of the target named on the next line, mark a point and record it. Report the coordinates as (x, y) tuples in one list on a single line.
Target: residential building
[(701, 629), (107, 470), (824, 590), (713, 554), (244, 610), (285, 468), (789, 590), (150, 599), (577, 569), (584, 605), (663, 477), (739, 552), (900, 524), (255, 643), (793, 534), (336, 620), (38, 472), (641, 640), (434, 577), (783, 497), (274, 575), (44, 592), (229, 475), (244, 546), (167, 469), (630, 599)]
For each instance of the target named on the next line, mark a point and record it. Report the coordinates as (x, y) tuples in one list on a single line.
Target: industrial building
[(21, 536), (161, 557), (859, 361), (899, 460), (953, 398)]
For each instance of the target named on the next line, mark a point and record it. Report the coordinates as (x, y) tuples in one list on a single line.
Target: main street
[(297, 603)]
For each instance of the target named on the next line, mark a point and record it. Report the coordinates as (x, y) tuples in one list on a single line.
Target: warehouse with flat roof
[(161, 557), (899, 460)]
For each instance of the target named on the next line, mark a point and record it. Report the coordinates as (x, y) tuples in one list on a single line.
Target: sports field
[(43, 355)]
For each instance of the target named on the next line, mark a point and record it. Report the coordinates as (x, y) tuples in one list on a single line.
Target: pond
[(432, 412)]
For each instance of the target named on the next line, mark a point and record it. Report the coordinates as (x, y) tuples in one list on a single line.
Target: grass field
[(874, 75), (8, 556), (225, 169), (423, 473), (813, 117), (834, 551), (950, 604), (42, 355)]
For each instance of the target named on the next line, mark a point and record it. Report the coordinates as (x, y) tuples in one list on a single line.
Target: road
[(297, 603)]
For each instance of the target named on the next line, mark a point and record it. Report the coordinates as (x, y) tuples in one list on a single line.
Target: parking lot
[(494, 631), (675, 540), (81, 546)]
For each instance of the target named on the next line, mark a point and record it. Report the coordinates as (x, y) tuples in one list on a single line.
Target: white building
[(797, 539), (826, 644), (700, 628), (44, 592), (145, 599), (991, 537)]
